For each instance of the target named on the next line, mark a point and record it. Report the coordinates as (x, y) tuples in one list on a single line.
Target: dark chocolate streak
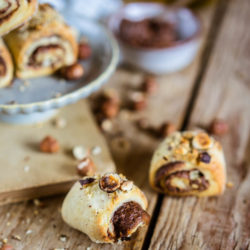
[(163, 178), (128, 217), (41, 49), (3, 68), (86, 181), (2, 19)]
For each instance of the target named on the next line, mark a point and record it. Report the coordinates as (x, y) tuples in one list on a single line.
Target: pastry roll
[(6, 66), (13, 13), (188, 163), (107, 208), (43, 45)]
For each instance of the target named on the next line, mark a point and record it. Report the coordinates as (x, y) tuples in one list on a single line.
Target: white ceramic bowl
[(160, 60)]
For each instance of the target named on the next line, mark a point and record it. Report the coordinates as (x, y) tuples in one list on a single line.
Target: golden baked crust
[(6, 66), (91, 207), (42, 45), (14, 13), (188, 163)]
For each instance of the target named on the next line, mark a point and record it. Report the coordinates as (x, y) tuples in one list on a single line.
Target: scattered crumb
[(96, 150), (26, 158), (107, 125), (230, 184), (16, 237), (22, 88), (121, 144), (36, 212), (28, 232), (89, 248), (63, 238), (38, 203), (125, 114), (8, 223), (26, 83), (26, 169), (5, 240), (79, 152), (60, 122)]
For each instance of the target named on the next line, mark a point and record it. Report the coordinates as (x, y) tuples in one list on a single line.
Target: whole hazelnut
[(110, 109), (72, 72), (218, 127), (86, 167), (84, 50), (166, 129), (149, 85), (49, 145)]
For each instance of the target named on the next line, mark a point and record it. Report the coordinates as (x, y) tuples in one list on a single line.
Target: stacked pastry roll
[(107, 208), (188, 163), (6, 66), (43, 45), (13, 13)]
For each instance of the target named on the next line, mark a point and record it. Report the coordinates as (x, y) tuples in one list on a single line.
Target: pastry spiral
[(43, 45), (188, 163), (107, 208), (13, 13), (6, 66)]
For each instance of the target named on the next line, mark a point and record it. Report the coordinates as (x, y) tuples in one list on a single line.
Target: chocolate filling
[(4, 10), (163, 180), (127, 218), (3, 68), (42, 49)]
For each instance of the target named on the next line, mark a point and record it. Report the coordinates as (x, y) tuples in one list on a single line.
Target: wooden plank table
[(216, 85)]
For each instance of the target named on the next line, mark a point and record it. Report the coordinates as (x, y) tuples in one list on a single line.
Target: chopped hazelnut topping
[(110, 182)]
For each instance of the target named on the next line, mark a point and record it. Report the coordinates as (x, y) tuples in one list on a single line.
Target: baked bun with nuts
[(108, 208), (188, 163)]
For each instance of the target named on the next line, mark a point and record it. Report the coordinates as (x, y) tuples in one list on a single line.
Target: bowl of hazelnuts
[(37, 99)]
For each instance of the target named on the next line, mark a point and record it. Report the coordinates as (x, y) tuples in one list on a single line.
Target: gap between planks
[(216, 24)]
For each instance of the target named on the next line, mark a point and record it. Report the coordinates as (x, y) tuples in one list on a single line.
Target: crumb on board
[(230, 184)]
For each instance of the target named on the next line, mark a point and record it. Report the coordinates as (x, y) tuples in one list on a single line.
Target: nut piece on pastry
[(6, 66), (107, 208), (188, 163), (14, 13), (43, 45)]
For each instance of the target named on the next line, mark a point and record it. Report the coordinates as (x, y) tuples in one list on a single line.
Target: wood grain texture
[(47, 174), (222, 222), (46, 223)]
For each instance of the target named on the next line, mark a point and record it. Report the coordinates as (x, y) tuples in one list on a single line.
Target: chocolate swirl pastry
[(13, 13), (6, 66), (107, 208), (188, 163), (43, 45)]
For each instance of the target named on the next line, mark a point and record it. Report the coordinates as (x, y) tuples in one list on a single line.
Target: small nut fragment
[(107, 125), (166, 129), (229, 184), (149, 85), (84, 50), (204, 157), (72, 72), (138, 101), (110, 182), (202, 141), (49, 145), (60, 122), (96, 150), (127, 186), (79, 152), (86, 167), (218, 127)]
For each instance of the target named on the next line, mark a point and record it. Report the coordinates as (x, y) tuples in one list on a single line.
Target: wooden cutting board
[(27, 173)]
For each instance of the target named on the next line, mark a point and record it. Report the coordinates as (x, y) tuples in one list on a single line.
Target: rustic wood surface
[(215, 85), (31, 173), (223, 222)]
